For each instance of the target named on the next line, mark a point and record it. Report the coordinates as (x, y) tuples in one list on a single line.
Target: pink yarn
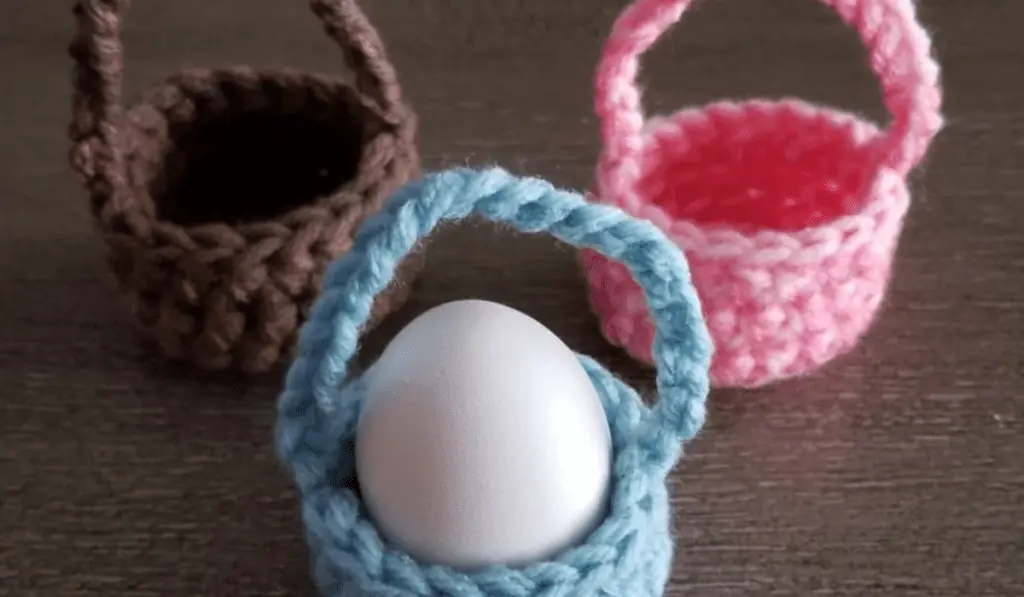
[(789, 213)]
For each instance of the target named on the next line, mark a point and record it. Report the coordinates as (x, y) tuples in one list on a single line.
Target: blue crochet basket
[(630, 553)]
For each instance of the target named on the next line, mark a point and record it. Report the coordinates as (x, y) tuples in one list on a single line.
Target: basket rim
[(887, 191), (160, 98), (623, 410)]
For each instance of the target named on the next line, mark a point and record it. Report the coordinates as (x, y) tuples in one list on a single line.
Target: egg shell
[(482, 440)]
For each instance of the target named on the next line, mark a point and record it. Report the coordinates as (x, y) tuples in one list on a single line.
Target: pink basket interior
[(782, 166)]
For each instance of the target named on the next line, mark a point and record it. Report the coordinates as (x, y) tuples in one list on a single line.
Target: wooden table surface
[(897, 470)]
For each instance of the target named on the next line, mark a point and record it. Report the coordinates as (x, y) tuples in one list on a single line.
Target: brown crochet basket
[(223, 195)]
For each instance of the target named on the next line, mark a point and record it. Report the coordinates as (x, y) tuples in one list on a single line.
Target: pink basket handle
[(900, 56)]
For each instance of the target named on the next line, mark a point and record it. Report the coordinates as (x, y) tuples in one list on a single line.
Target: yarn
[(630, 552), (789, 213), (223, 195)]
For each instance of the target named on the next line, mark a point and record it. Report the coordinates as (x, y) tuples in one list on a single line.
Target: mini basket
[(789, 213), (223, 195), (629, 554)]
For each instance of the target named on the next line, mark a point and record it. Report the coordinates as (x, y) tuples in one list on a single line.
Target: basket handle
[(330, 337), (900, 56), (347, 24), (98, 53)]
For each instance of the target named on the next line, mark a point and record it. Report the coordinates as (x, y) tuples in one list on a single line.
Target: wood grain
[(897, 470)]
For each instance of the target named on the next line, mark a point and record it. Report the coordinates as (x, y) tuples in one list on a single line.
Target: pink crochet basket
[(789, 213)]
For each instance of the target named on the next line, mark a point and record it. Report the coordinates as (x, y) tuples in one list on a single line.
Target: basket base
[(754, 345), (254, 340)]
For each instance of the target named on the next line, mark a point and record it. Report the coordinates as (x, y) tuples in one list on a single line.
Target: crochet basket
[(223, 195), (629, 554), (789, 213)]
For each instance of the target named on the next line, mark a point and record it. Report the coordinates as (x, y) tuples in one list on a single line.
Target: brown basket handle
[(98, 54), (346, 23), (97, 155)]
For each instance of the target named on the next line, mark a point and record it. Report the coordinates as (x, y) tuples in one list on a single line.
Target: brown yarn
[(223, 195)]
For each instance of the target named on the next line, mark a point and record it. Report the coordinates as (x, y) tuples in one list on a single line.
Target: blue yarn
[(630, 553)]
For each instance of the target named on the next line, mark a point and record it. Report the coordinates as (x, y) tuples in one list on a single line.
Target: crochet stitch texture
[(789, 213), (222, 196), (629, 555)]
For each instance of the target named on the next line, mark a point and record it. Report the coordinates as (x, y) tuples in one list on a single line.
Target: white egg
[(482, 440)]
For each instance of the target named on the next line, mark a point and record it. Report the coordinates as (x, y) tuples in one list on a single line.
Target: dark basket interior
[(239, 165)]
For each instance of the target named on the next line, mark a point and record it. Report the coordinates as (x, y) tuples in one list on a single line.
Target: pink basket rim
[(863, 132), (880, 216)]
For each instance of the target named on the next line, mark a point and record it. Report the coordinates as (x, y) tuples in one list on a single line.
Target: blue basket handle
[(328, 341)]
